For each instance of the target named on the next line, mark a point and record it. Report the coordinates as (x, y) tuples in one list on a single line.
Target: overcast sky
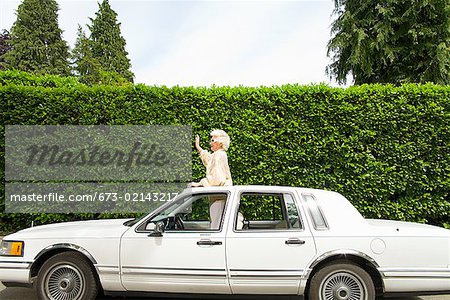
[(201, 43)]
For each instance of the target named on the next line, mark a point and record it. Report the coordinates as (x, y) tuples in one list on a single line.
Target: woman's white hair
[(223, 138)]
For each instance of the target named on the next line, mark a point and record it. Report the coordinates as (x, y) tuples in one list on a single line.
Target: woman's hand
[(197, 143)]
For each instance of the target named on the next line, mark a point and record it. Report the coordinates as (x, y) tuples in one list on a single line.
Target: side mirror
[(160, 227)]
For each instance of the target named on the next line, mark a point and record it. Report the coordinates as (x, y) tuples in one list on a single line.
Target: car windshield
[(181, 206), (170, 207)]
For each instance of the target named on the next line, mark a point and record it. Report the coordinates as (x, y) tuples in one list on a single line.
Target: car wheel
[(341, 281), (66, 276)]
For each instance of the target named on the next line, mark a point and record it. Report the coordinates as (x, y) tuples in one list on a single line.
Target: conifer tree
[(391, 41), (108, 45), (5, 46), (85, 66), (36, 40)]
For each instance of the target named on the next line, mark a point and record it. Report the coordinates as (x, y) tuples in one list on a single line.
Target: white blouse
[(217, 169)]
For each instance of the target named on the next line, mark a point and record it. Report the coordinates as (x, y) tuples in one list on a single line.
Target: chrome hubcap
[(64, 282), (343, 286), (342, 293)]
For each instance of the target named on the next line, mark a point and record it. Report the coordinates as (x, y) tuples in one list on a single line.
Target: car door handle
[(294, 242), (208, 243)]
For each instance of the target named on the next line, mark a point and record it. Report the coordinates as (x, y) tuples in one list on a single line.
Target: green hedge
[(28, 79), (384, 147)]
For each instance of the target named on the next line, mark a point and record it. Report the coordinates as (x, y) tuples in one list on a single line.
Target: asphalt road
[(28, 294)]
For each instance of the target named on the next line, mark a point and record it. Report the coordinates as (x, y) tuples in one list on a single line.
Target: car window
[(292, 212), (198, 212), (264, 211), (315, 212)]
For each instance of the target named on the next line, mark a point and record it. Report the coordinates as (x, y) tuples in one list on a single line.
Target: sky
[(204, 43)]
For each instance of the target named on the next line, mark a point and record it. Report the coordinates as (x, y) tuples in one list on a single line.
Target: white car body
[(400, 257)]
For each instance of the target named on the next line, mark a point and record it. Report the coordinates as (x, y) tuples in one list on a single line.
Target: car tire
[(341, 280), (66, 276)]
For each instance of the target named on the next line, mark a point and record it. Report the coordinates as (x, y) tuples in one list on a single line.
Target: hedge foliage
[(385, 148), (28, 79)]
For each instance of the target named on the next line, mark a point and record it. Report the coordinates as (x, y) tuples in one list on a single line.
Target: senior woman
[(217, 171)]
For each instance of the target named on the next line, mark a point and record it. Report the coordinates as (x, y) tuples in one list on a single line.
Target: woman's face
[(215, 145)]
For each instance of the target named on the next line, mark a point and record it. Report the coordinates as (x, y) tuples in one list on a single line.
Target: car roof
[(256, 188)]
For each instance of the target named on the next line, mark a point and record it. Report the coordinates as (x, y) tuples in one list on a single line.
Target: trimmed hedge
[(384, 147), (28, 79)]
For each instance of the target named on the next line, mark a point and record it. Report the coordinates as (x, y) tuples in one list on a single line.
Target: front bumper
[(15, 272)]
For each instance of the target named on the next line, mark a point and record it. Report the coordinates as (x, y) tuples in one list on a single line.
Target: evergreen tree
[(391, 41), (108, 45), (5, 46), (36, 39), (85, 66)]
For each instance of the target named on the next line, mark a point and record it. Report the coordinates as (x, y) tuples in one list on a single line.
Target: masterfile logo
[(155, 153), (95, 169)]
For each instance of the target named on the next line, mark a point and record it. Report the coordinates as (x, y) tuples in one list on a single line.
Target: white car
[(271, 240)]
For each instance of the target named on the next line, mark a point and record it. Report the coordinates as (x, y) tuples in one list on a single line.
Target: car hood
[(97, 228), (408, 228)]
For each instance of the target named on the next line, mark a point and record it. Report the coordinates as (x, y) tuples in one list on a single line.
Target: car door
[(189, 257), (268, 246)]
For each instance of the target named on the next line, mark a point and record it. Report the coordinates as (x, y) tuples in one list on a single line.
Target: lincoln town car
[(270, 240)]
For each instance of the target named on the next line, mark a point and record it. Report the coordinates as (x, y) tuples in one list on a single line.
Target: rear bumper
[(419, 286), (415, 281)]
